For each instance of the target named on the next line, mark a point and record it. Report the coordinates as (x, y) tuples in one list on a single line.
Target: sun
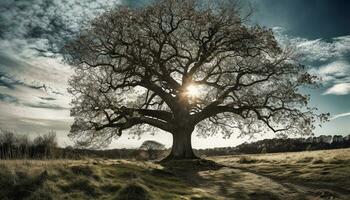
[(192, 91)]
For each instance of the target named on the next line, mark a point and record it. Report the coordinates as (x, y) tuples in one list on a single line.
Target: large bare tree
[(180, 65)]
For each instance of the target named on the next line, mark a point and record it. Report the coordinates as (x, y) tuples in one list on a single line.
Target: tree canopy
[(180, 65), (152, 145)]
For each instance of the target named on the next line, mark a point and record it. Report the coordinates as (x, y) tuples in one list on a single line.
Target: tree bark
[(182, 147)]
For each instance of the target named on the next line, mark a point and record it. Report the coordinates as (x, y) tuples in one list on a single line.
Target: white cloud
[(322, 50), (337, 67), (316, 49), (334, 72), (339, 89), (340, 115), (33, 76), (335, 52), (33, 84)]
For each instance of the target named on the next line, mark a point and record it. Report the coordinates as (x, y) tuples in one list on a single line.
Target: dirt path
[(233, 183)]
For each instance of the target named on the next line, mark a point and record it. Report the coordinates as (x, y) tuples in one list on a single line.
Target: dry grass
[(90, 179), (326, 172), (302, 175), (328, 156)]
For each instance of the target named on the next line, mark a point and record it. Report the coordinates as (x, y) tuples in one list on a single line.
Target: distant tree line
[(14, 146), (77, 153), (149, 150), (276, 145), (19, 146)]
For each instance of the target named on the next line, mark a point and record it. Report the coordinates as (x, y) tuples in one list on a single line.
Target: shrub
[(337, 161), (110, 188), (7, 181), (134, 191), (82, 170), (305, 160), (82, 184), (128, 175), (318, 161), (42, 194), (247, 160), (19, 185)]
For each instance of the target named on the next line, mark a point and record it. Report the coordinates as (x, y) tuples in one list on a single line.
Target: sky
[(33, 76)]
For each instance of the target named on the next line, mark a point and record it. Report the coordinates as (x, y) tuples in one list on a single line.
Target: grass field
[(302, 175)]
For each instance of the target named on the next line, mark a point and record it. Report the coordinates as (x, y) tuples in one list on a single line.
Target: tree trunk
[(182, 147)]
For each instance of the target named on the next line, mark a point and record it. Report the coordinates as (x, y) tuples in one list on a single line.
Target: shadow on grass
[(216, 179), (188, 169)]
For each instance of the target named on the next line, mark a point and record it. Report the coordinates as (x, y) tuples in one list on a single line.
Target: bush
[(128, 175), (134, 191), (305, 160), (82, 170), (318, 161), (82, 184), (337, 161), (247, 160), (7, 181), (110, 188), (19, 185), (42, 194)]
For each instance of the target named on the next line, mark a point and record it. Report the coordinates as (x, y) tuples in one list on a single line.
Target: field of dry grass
[(302, 175), (88, 179), (314, 174)]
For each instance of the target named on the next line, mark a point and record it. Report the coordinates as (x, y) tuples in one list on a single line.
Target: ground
[(302, 175)]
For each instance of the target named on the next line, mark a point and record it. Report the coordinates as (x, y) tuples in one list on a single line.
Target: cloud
[(340, 115), (335, 76), (45, 106), (334, 72), (323, 50), (54, 20), (33, 78), (32, 32), (11, 83), (34, 126), (24, 73), (328, 59), (339, 68), (47, 98), (316, 50), (18, 102), (6, 81), (8, 98), (339, 89)]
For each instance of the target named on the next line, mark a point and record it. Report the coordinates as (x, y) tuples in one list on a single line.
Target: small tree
[(179, 65), (152, 148), (8, 141), (45, 145)]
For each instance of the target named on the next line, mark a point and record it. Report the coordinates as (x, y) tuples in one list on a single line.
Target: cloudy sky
[(33, 78)]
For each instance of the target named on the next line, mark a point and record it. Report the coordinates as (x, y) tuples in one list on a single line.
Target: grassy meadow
[(303, 175)]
